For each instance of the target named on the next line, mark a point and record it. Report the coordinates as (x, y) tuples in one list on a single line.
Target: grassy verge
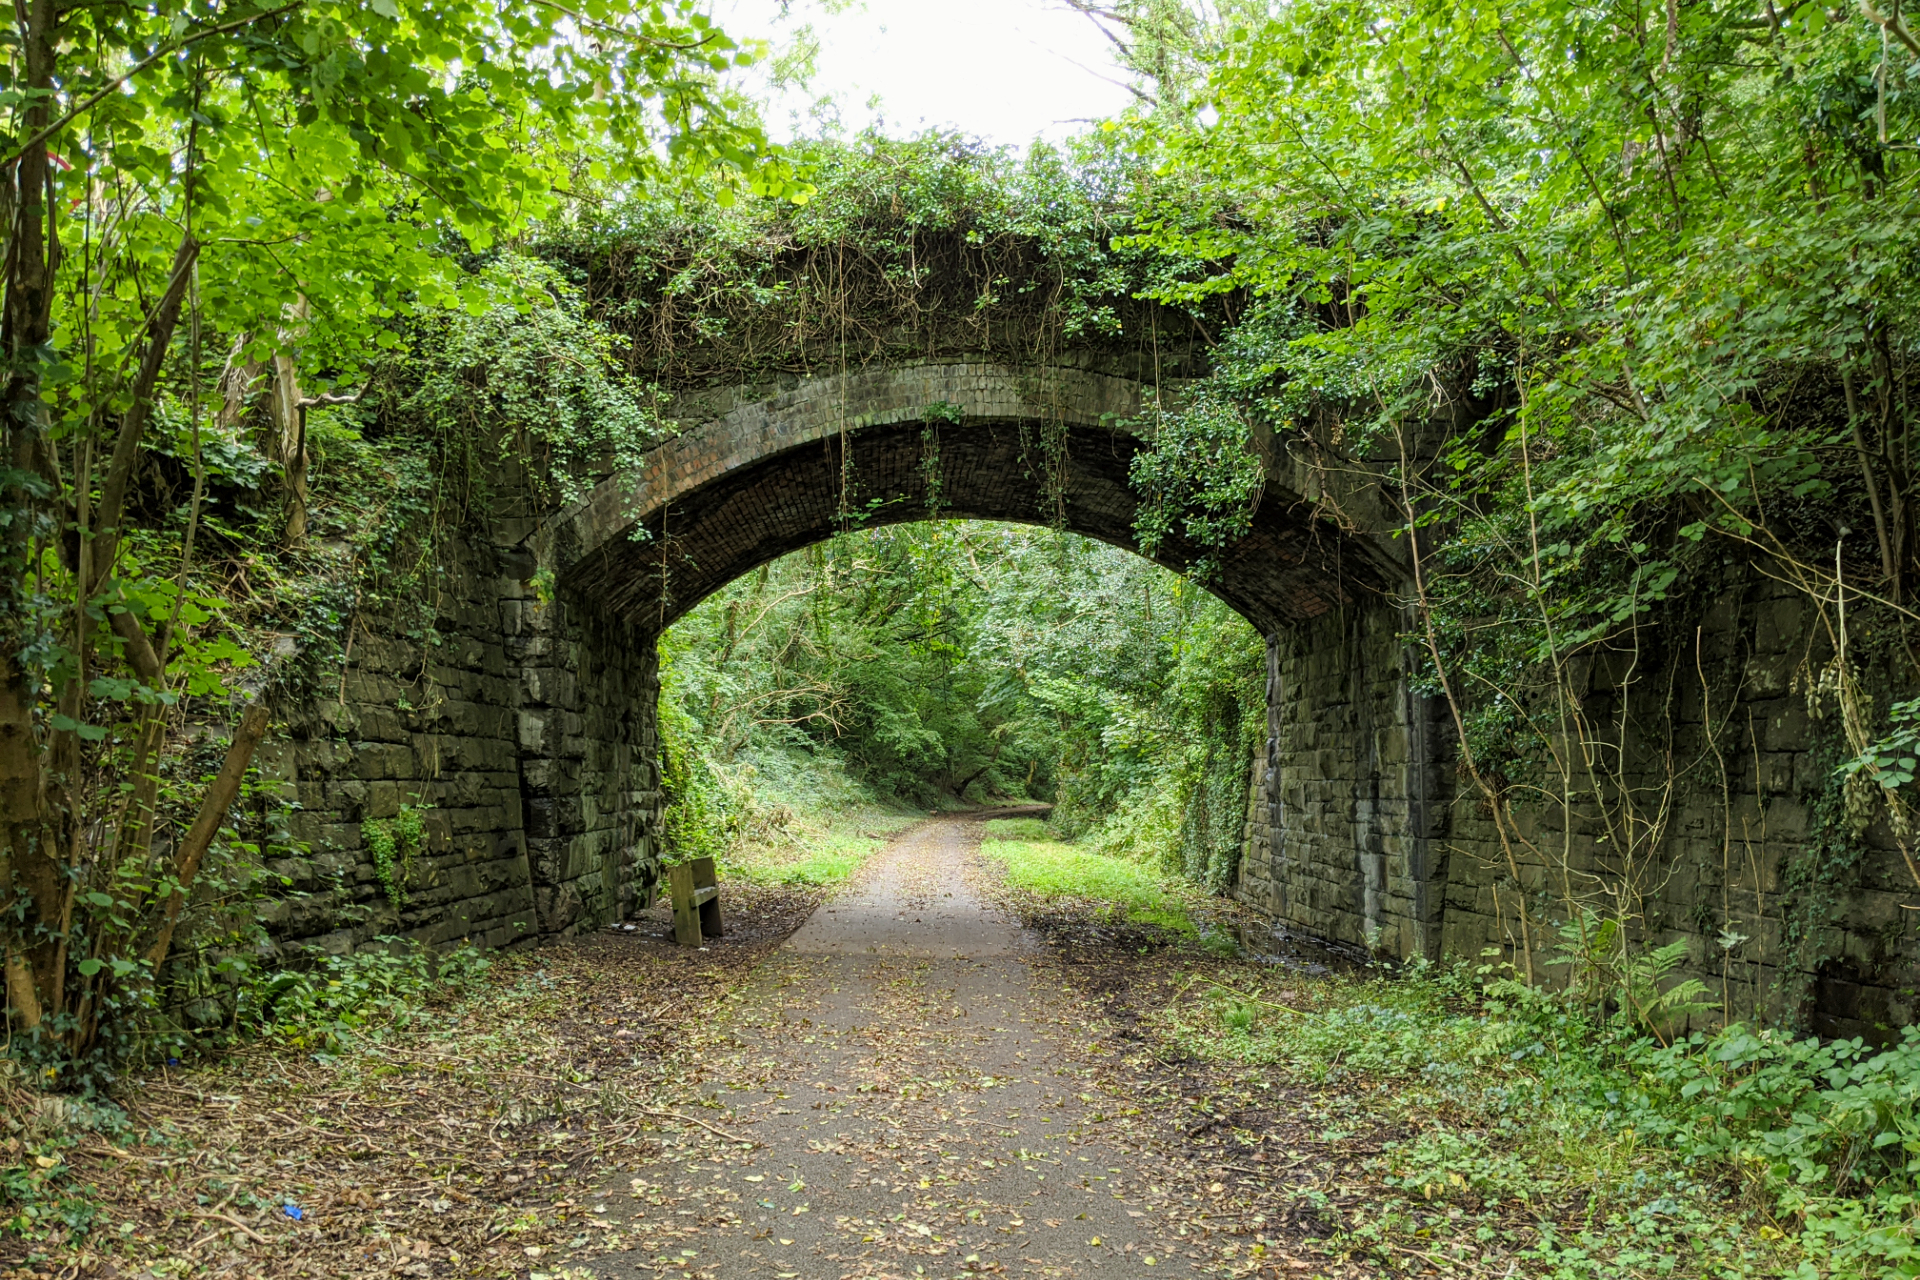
[(1506, 1135), (782, 817), (821, 853), (1451, 1121), (1434, 1123), (1051, 870)]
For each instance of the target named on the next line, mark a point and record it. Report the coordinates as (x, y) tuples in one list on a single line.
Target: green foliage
[(1125, 888), (1606, 972), (1620, 305), (525, 385), (40, 1197), (821, 861), (392, 844), (1821, 873), (1894, 760), (780, 814), (1028, 829), (972, 662), (303, 187), (868, 649), (1199, 477), (367, 995), (906, 247), (1685, 1155), (1500, 186)]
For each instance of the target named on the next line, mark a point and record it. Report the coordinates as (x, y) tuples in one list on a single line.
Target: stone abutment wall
[(522, 727), (1364, 828)]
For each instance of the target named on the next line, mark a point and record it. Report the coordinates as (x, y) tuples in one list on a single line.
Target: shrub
[(342, 997)]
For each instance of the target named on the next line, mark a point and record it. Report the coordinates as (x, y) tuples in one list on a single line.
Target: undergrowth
[(776, 815), (340, 1010), (1038, 864), (816, 856), (361, 997), (1513, 1116)]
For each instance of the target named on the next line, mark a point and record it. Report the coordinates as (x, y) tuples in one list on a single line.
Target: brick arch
[(758, 475)]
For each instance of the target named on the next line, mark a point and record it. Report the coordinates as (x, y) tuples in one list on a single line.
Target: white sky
[(1007, 71)]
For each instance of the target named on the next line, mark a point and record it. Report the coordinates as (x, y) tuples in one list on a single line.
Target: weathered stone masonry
[(526, 728), (1363, 829), (1340, 841)]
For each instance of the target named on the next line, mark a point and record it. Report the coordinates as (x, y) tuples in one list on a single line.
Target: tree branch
[(114, 85), (1891, 24), (213, 811), (126, 450)]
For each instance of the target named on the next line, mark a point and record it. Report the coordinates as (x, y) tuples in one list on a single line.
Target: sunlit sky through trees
[(1005, 70)]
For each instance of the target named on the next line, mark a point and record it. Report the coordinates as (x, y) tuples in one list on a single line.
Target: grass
[(820, 857), (1020, 829), (799, 821), (1050, 869)]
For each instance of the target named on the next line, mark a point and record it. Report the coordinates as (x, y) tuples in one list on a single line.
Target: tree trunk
[(289, 444), (27, 850)]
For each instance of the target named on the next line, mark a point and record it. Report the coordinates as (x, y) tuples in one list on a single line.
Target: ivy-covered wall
[(520, 736)]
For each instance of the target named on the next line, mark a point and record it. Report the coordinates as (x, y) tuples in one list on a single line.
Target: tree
[(299, 177), (1620, 293)]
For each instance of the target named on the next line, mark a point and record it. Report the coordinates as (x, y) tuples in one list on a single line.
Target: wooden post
[(706, 891), (686, 917)]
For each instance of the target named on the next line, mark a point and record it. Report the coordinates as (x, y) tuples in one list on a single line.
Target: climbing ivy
[(906, 247), (392, 844)]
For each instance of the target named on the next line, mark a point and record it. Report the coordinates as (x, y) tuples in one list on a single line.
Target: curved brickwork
[(762, 476)]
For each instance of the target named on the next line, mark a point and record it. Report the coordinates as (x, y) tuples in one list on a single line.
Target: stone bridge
[(760, 472), (537, 746)]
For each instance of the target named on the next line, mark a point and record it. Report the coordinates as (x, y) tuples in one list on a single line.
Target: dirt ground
[(923, 1075), (933, 1089)]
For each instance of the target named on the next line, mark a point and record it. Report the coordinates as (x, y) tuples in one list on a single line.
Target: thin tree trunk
[(133, 426), (1866, 474), (206, 825), (30, 855), (290, 424)]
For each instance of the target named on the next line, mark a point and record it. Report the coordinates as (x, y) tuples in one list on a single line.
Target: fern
[(1606, 971)]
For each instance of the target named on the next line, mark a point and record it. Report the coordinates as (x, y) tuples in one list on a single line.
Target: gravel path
[(918, 1102)]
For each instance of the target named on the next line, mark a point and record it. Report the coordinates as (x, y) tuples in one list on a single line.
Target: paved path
[(907, 1075)]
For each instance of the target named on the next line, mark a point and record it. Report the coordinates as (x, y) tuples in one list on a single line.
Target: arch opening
[(762, 471), (970, 662)]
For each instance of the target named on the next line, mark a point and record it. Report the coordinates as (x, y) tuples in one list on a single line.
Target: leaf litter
[(613, 1105)]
